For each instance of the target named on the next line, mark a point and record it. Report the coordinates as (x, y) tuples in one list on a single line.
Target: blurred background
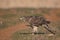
[(29, 3), (12, 10)]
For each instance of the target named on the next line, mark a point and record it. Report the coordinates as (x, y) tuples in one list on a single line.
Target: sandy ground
[(5, 34), (52, 16)]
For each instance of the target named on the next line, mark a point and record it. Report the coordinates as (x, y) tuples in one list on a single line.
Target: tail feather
[(49, 30)]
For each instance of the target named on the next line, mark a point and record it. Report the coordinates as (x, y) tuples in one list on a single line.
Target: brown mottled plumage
[(36, 21)]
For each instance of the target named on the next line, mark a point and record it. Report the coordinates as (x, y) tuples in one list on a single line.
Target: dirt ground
[(52, 16), (5, 34)]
